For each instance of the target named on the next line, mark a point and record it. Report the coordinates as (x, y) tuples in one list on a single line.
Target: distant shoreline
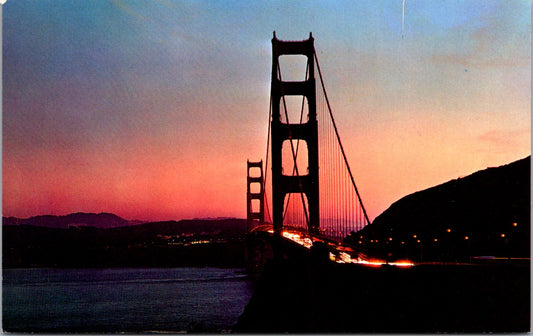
[(218, 243), (223, 255)]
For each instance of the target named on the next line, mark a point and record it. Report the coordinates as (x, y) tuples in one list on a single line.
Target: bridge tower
[(255, 213), (307, 183)]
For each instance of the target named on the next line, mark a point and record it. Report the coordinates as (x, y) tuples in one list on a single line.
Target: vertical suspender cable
[(339, 140)]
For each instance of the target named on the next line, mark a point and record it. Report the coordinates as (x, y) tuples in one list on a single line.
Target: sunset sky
[(150, 109)]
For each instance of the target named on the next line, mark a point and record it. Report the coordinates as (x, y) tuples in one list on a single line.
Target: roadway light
[(448, 230), (515, 224), (466, 237), (414, 236), (503, 235)]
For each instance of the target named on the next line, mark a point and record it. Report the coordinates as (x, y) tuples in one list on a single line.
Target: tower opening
[(294, 110), (293, 68), (289, 166)]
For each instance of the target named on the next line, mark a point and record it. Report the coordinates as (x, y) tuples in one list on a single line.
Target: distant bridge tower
[(255, 195), (296, 182)]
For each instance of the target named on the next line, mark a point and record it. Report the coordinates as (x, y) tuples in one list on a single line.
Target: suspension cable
[(339, 139)]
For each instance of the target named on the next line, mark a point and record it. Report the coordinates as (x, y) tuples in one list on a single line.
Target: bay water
[(138, 300)]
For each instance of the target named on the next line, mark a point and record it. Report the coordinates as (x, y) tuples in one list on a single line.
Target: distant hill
[(115, 226), (484, 214), (111, 221), (173, 243), (102, 220)]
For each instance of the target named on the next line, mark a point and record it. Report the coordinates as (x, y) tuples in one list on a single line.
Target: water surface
[(123, 299)]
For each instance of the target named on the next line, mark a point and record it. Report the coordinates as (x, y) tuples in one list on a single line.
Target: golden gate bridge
[(302, 200), (307, 192)]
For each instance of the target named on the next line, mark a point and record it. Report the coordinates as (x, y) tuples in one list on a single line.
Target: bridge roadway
[(297, 241)]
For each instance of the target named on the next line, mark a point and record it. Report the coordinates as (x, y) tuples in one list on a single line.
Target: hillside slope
[(486, 213)]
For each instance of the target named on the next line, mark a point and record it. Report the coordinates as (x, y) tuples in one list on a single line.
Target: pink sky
[(150, 111)]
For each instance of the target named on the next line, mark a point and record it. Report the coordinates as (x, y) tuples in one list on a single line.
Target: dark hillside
[(484, 214)]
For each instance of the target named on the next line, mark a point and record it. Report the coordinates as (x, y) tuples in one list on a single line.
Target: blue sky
[(149, 109)]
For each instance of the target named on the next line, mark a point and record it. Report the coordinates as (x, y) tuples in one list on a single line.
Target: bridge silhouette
[(306, 192), (303, 202)]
